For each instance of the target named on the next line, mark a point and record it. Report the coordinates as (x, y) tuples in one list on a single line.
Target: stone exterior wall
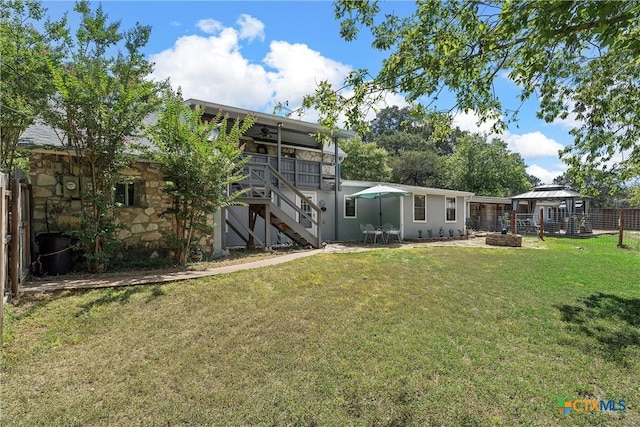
[(143, 226)]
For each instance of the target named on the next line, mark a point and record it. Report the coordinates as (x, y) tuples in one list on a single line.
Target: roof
[(491, 199), (266, 126), (548, 191), (410, 188), (293, 132), (41, 134)]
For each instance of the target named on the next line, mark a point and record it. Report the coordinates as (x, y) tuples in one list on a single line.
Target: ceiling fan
[(266, 133)]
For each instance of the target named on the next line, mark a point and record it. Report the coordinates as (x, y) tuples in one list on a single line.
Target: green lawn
[(427, 337)]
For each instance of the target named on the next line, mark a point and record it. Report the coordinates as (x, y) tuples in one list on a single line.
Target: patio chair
[(363, 231), (389, 230), (370, 230)]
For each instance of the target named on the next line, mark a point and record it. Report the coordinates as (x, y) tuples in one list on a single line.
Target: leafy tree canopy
[(486, 167), (25, 77), (398, 129), (421, 168), (199, 160), (578, 58), (634, 193), (364, 161), (398, 142), (606, 196), (102, 94)]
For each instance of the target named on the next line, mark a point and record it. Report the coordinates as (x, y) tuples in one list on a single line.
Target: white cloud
[(531, 145), (570, 122), (250, 28), (545, 175), (470, 121), (298, 70), (209, 26), (213, 68), (175, 24)]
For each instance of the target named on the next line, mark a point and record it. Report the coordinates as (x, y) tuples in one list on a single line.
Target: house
[(292, 192), (57, 186)]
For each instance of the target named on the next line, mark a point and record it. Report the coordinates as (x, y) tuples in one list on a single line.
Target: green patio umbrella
[(379, 192)]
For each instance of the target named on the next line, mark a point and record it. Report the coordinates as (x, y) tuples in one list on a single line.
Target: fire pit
[(499, 239)]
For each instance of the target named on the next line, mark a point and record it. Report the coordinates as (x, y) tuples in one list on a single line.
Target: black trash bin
[(55, 254)]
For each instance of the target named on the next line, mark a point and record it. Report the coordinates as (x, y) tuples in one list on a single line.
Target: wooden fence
[(4, 243), (15, 237)]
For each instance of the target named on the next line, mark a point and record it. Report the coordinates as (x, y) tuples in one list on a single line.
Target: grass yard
[(436, 336)]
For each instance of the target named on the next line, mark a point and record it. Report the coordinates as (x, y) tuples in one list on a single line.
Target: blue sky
[(252, 54)]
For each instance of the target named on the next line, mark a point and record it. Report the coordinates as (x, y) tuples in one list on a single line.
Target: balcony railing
[(301, 173)]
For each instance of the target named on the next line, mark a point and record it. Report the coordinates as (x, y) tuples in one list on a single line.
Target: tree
[(563, 53), (364, 161), (26, 80), (634, 194), (534, 181), (398, 129), (389, 120), (398, 142), (99, 104), (421, 168), (486, 167), (606, 196), (199, 160)]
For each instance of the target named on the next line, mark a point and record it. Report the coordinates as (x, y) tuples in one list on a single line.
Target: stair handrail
[(283, 180)]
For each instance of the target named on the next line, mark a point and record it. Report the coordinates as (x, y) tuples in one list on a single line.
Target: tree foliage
[(199, 160), (25, 77), (606, 196), (486, 167), (364, 161), (578, 58), (102, 94), (422, 168), (634, 195)]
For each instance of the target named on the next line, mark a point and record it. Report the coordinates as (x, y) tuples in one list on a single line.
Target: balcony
[(300, 173)]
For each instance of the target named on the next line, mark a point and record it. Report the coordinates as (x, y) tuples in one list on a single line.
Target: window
[(128, 193), (349, 207), (450, 209), (419, 208)]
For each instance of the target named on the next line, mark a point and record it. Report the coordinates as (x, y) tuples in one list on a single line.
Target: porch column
[(336, 210), (279, 148), (218, 232), (279, 157)]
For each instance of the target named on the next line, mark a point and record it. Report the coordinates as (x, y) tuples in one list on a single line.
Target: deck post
[(621, 228), (267, 226), (513, 222), (541, 225), (16, 223), (252, 224)]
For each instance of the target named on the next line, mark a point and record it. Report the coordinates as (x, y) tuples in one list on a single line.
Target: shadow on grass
[(121, 296), (611, 320), (32, 304)]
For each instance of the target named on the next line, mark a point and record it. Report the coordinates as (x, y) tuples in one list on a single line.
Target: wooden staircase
[(263, 184), (287, 225)]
